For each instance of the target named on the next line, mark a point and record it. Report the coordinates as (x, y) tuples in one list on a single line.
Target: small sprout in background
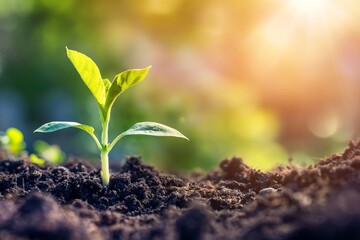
[(36, 160), (46, 153), (105, 93), (50, 153), (12, 141)]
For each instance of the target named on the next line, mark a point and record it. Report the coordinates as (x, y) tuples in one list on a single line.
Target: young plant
[(46, 153), (105, 94), (12, 141)]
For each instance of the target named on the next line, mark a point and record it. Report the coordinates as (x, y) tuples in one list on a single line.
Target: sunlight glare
[(302, 7), (299, 34)]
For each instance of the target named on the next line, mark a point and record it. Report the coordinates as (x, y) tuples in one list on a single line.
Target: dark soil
[(233, 202)]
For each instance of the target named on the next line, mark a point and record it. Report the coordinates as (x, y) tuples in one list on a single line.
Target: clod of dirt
[(192, 225), (39, 217)]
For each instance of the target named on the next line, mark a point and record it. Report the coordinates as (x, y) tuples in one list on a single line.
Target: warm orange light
[(309, 6), (299, 39), (318, 13), (324, 124), (294, 55)]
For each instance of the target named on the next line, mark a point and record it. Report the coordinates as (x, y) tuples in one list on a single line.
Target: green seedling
[(48, 153), (105, 94), (36, 159), (13, 141)]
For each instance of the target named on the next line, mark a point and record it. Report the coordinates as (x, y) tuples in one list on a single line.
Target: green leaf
[(153, 129), (107, 84), (148, 128), (51, 153), (89, 73), (15, 141), (15, 135), (36, 160), (55, 126), (123, 81)]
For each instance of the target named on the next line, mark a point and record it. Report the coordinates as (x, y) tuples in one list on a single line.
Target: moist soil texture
[(321, 201)]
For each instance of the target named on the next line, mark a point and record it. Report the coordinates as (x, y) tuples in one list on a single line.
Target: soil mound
[(233, 202)]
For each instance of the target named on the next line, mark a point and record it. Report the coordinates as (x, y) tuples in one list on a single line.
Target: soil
[(232, 202)]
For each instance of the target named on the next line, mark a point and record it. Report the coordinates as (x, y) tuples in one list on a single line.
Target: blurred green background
[(263, 80)]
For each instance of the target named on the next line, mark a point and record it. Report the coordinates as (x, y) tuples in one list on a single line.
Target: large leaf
[(123, 81), (148, 128), (89, 73), (153, 129), (55, 126)]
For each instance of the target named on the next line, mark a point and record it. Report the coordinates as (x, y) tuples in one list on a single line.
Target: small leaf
[(123, 81), (130, 77), (89, 73), (55, 126), (51, 153), (36, 160), (153, 129), (107, 84), (13, 141), (15, 135)]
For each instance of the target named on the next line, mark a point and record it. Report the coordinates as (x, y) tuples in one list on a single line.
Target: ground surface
[(232, 202)]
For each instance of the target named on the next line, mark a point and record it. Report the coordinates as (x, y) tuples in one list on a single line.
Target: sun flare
[(317, 13), (308, 6), (299, 46), (301, 33)]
